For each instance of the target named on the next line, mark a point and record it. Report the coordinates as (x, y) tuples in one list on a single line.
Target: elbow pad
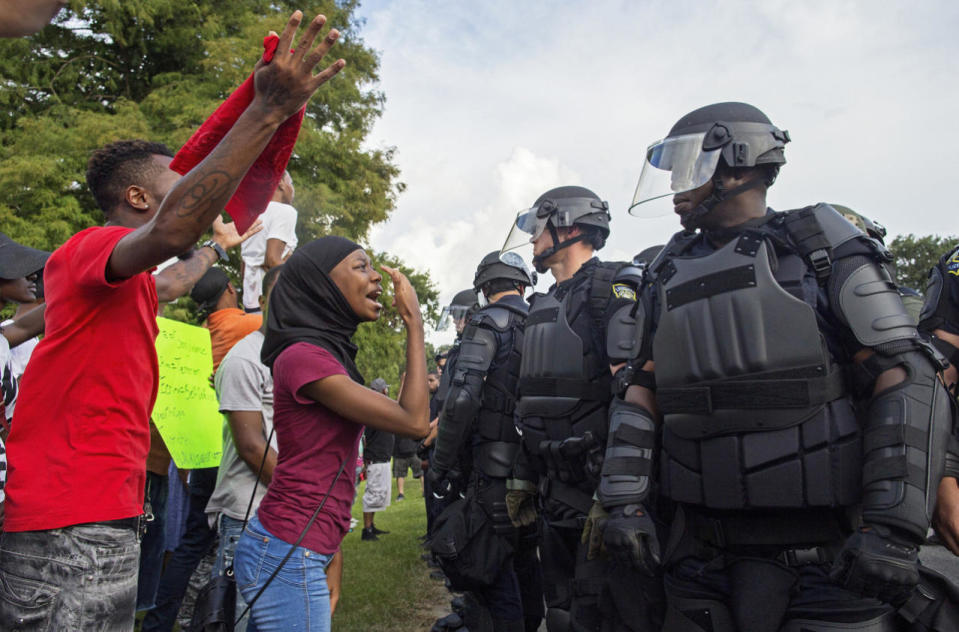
[(904, 448), (629, 455)]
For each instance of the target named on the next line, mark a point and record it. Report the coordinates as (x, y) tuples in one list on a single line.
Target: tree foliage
[(117, 69), (914, 256)]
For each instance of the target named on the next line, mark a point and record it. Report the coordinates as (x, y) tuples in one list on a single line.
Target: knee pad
[(887, 622), (697, 615)]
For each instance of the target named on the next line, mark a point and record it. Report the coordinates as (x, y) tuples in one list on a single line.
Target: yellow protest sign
[(186, 411)]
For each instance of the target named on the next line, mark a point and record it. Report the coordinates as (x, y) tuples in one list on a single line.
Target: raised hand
[(284, 85), (224, 233), (404, 297)]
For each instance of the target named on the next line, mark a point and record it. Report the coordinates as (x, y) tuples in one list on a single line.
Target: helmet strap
[(539, 261), (690, 220)]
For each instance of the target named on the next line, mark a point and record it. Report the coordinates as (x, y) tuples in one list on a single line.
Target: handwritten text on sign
[(186, 411)]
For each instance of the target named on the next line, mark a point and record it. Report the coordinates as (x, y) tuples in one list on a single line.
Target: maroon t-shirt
[(312, 442)]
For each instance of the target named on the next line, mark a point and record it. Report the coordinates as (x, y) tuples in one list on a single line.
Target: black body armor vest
[(495, 440), (565, 383), (755, 409)]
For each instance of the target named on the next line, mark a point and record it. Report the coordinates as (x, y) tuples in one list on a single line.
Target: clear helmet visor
[(449, 315), (525, 230), (673, 165)]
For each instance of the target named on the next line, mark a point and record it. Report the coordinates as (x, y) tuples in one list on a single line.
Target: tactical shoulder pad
[(868, 301), (621, 336), (630, 274), (835, 228), (477, 349), (495, 316)]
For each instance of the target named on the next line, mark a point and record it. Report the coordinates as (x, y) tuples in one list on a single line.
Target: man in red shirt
[(68, 556)]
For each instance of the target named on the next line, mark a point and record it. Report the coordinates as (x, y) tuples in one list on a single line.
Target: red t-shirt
[(312, 442), (80, 434)]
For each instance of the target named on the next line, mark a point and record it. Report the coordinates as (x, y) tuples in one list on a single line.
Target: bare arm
[(334, 579), (26, 327), (178, 279), (274, 253), (282, 88), (408, 415), (247, 429)]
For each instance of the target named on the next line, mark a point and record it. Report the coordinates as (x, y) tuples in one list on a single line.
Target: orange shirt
[(228, 327)]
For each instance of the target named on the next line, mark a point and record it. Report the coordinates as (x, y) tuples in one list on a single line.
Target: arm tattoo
[(212, 190), (180, 278)]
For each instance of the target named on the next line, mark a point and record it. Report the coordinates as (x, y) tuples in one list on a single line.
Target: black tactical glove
[(875, 562), (630, 536), (443, 484)]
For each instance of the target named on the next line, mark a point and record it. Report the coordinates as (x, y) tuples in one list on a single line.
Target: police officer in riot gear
[(478, 419), (458, 313), (795, 413), (564, 390)]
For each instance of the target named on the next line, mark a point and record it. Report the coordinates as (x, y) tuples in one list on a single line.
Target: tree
[(118, 69), (914, 256)]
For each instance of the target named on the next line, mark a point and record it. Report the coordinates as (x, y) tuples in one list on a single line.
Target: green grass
[(386, 586)]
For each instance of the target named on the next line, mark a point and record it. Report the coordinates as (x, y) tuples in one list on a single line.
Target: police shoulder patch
[(952, 263), (621, 290)]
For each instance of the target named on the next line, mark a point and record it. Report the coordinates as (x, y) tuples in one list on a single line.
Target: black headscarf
[(306, 305)]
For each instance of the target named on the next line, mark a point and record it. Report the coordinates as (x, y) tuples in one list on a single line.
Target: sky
[(492, 103)]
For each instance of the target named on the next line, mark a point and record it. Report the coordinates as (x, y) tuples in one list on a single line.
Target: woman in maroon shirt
[(327, 288)]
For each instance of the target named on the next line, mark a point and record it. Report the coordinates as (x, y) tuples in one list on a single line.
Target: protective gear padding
[(629, 455), (755, 412), (867, 300), (906, 431)]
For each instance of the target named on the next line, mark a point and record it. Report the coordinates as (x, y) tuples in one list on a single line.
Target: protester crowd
[(748, 428)]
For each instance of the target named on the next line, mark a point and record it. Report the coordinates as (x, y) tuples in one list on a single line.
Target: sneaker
[(368, 534), (400, 497), (437, 575), (378, 531)]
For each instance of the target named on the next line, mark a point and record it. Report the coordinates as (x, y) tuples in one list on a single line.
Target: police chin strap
[(690, 220), (539, 261)]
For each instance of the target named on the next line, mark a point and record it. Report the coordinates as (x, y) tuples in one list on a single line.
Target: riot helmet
[(562, 207), (508, 267), (457, 311), (872, 228), (736, 134)]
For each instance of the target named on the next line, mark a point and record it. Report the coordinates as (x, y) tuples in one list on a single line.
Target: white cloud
[(492, 103)]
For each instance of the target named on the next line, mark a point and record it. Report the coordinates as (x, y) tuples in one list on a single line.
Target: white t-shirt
[(8, 383), (243, 383), (279, 222), (20, 355)]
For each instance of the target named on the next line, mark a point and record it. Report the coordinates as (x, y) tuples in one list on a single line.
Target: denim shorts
[(297, 599), (82, 577)]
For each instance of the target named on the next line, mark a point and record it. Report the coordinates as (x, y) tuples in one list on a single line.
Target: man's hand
[(224, 233), (593, 531), (945, 520), (284, 85), (875, 562), (630, 536), (521, 502)]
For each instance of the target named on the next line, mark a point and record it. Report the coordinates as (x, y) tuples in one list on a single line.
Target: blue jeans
[(82, 577), (197, 540), (298, 599), (230, 531), (151, 546)]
